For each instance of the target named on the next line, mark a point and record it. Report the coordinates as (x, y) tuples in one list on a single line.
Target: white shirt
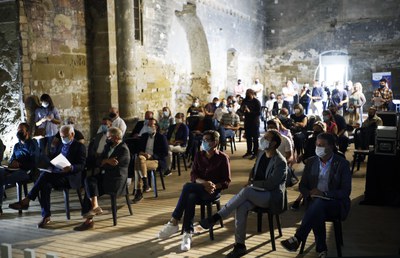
[(288, 93), (102, 143), (150, 145), (219, 112), (119, 123), (258, 88), (286, 146)]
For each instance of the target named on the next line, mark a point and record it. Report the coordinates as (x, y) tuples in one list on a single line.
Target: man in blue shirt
[(66, 177), (326, 185), (23, 159)]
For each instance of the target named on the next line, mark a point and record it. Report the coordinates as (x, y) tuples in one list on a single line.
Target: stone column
[(125, 38)]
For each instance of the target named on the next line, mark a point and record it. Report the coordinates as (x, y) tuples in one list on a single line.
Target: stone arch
[(199, 51)]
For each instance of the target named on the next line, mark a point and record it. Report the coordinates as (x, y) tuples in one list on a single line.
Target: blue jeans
[(10, 177), (314, 218), (43, 185), (190, 195)]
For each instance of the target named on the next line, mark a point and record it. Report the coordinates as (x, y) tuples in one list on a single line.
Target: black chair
[(337, 225), (208, 205), (363, 138), (176, 161), (232, 142), (260, 211), (114, 204), (66, 199)]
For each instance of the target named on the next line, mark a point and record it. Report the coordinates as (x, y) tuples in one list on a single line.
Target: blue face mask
[(104, 128), (65, 140), (206, 146)]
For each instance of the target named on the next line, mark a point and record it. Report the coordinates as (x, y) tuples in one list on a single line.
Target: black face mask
[(21, 135), (109, 142), (112, 115)]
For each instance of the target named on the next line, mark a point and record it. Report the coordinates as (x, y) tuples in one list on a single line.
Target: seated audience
[(229, 123), (141, 126), (366, 134), (78, 136), (265, 188), (117, 121), (325, 175), (309, 151), (67, 177), (97, 144), (210, 108), (23, 159), (283, 116), (299, 127), (286, 146), (177, 137), (279, 104), (165, 120), (210, 174), (153, 151), (113, 164), (343, 139), (222, 109), (195, 109), (330, 123)]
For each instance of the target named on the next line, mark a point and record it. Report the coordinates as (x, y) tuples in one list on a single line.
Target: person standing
[(47, 120), (316, 99), (239, 88), (117, 121), (382, 96), (258, 89), (339, 98), (252, 111)]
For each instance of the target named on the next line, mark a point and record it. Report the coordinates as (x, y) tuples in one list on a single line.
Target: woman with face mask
[(331, 126), (195, 109), (165, 120), (47, 120), (298, 129)]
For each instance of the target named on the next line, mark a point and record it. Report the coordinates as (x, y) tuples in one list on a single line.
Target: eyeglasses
[(207, 140)]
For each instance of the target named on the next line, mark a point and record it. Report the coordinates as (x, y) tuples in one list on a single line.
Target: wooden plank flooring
[(369, 230)]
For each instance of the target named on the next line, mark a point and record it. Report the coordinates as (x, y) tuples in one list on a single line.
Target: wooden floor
[(368, 231)]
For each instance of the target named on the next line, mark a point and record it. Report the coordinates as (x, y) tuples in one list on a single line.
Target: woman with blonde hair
[(356, 102)]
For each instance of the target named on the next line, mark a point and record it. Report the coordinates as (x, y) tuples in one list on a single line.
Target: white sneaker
[(168, 230), (186, 241), (322, 254)]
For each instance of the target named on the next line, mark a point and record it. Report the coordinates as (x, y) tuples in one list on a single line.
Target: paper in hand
[(60, 161)]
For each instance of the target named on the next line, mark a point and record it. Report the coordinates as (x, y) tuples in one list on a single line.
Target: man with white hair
[(55, 177), (113, 164)]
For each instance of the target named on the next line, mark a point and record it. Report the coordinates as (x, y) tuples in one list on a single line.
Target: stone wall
[(298, 31), (55, 57), (10, 76)]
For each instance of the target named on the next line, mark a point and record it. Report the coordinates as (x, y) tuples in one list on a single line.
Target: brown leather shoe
[(43, 222), (84, 226), (18, 206)]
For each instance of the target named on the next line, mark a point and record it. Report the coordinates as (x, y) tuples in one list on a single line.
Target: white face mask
[(196, 104), (65, 140), (217, 104), (166, 113), (178, 120), (320, 151), (45, 104), (297, 111), (263, 144)]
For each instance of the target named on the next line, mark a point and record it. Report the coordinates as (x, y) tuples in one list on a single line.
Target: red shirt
[(216, 169)]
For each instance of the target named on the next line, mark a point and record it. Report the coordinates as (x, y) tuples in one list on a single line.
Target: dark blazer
[(181, 134), (77, 157), (138, 127), (275, 180), (339, 181), (160, 149), (115, 176), (275, 108)]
